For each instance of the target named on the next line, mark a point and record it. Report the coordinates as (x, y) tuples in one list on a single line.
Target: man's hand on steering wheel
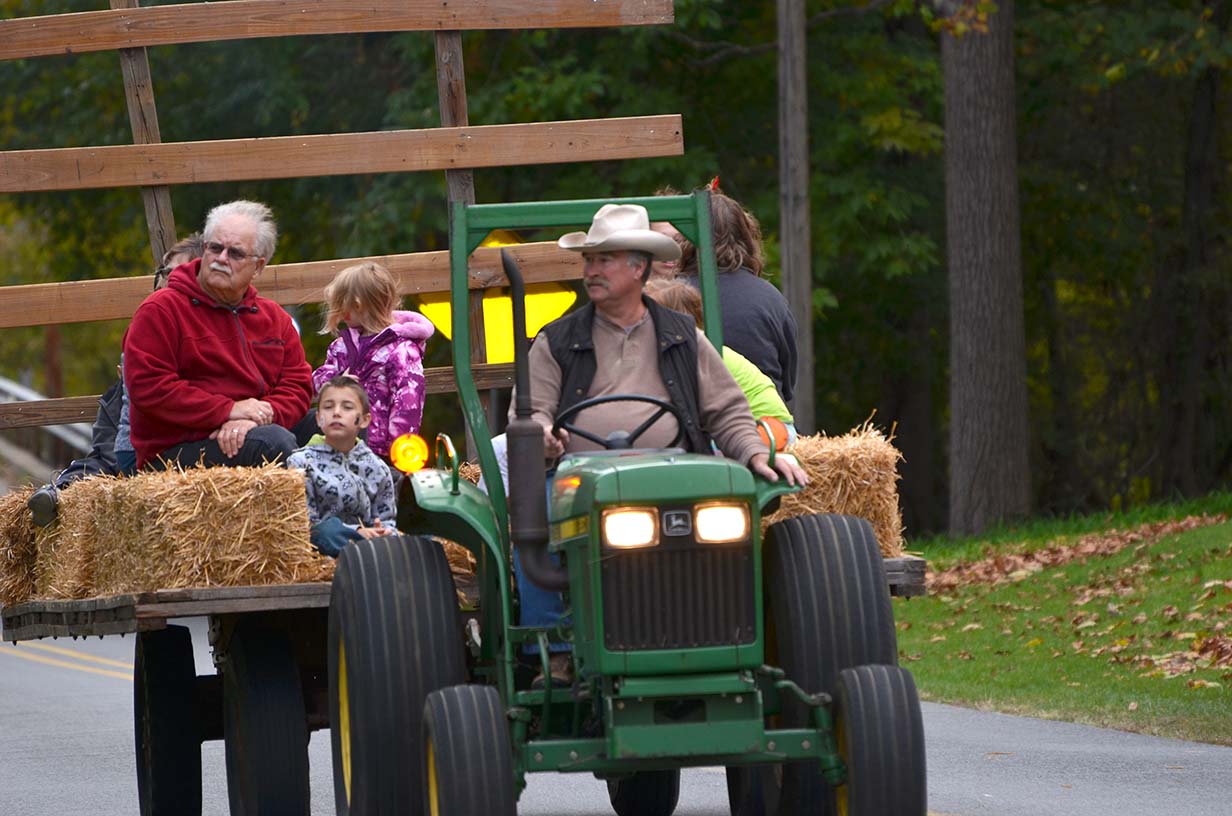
[(785, 465), (616, 440), (554, 444)]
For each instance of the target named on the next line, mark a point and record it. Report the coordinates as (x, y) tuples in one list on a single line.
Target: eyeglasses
[(235, 254)]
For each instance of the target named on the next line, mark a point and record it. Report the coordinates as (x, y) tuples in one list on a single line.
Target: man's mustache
[(217, 267)]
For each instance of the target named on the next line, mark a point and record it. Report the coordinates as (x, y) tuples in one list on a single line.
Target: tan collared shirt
[(627, 362)]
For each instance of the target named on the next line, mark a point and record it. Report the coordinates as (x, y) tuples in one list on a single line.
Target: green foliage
[(1105, 104)]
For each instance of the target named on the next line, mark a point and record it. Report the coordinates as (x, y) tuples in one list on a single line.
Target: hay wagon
[(271, 642)]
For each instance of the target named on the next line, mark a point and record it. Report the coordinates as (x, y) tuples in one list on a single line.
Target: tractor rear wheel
[(167, 737), (394, 637), (880, 734), (468, 758), (265, 726), (829, 609), (645, 793)]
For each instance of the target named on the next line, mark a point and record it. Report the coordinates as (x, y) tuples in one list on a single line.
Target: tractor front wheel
[(880, 734), (468, 759), (645, 793)]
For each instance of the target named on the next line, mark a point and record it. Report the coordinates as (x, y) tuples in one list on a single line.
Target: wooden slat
[(417, 273), (339, 154), (118, 614), (39, 413), (247, 19), (906, 575), (143, 117)]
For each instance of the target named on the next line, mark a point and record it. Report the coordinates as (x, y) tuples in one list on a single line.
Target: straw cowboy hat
[(621, 226)]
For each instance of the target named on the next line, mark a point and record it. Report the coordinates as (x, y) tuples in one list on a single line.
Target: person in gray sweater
[(350, 489)]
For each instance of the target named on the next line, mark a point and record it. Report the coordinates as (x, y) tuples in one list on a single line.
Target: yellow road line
[(89, 658), (51, 661)]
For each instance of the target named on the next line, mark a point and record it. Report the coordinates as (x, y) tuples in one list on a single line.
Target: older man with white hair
[(216, 374)]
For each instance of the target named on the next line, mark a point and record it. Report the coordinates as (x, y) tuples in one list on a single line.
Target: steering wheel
[(620, 440)]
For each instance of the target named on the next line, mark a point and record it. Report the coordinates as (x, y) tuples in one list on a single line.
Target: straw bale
[(202, 527), (17, 548), (854, 475)]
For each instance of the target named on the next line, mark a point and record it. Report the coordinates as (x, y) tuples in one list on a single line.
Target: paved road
[(66, 749)]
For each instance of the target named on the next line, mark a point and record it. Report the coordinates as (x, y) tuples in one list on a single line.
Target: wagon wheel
[(265, 726), (167, 737)]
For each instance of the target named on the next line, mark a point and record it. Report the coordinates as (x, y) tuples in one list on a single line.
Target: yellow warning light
[(409, 453)]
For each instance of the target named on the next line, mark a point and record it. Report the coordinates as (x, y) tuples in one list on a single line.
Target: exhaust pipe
[(528, 515)]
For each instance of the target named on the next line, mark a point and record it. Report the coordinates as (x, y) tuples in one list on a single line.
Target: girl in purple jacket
[(381, 346)]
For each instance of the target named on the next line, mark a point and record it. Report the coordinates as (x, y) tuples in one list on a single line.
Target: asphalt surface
[(66, 748)]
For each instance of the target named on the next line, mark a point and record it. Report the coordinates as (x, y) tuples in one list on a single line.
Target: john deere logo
[(677, 523)]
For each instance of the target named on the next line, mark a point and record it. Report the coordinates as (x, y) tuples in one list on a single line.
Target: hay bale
[(854, 475), (17, 548), (201, 527)]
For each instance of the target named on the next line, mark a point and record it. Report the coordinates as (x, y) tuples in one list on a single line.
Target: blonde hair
[(677, 296), (368, 292)]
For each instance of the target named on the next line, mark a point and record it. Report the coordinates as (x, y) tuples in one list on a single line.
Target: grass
[(1130, 640)]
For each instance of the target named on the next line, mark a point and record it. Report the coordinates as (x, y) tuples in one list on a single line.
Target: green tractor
[(696, 641)]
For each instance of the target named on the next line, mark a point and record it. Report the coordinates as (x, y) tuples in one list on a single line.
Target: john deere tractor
[(696, 639)]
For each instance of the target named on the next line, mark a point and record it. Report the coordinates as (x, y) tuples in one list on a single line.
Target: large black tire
[(167, 737), (468, 757), (754, 790), (881, 738), (830, 610), (394, 637), (265, 726), (646, 793)]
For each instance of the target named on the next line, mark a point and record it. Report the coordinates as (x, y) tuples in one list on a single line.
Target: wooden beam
[(247, 19), (39, 413), (143, 116), (44, 304), (340, 154)]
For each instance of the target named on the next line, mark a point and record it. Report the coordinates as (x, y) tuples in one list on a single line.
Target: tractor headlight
[(721, 523), (631, 527)]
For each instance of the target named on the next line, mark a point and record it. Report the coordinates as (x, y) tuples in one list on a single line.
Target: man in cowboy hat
[(623, 342)]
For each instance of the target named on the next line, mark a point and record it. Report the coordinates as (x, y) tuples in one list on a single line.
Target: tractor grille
[(678, 596)]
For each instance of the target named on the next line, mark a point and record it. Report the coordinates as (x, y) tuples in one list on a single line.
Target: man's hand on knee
[(783, 465), (259, 411), (231, 436)]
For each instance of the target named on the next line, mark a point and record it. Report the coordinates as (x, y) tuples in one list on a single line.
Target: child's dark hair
[(351, 382)]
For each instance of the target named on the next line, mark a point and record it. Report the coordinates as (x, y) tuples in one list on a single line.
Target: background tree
[(989, 476)]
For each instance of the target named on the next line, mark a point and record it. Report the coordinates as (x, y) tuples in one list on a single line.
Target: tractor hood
[(604, 478)]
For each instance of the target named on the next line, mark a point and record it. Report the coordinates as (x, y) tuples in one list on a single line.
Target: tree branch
[(723, 49)]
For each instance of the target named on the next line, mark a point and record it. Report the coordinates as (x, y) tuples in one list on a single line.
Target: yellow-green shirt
[(763, 397)]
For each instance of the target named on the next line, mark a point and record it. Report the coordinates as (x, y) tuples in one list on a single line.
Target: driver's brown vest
[(573, 347)]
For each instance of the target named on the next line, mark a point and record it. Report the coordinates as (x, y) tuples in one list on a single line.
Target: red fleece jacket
[(188, 359)]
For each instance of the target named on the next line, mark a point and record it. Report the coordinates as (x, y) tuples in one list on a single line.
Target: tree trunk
[(1183, 299), (794, 233), (989, 476)]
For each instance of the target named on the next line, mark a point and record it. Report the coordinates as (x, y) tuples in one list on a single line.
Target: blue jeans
[(539, 607)]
